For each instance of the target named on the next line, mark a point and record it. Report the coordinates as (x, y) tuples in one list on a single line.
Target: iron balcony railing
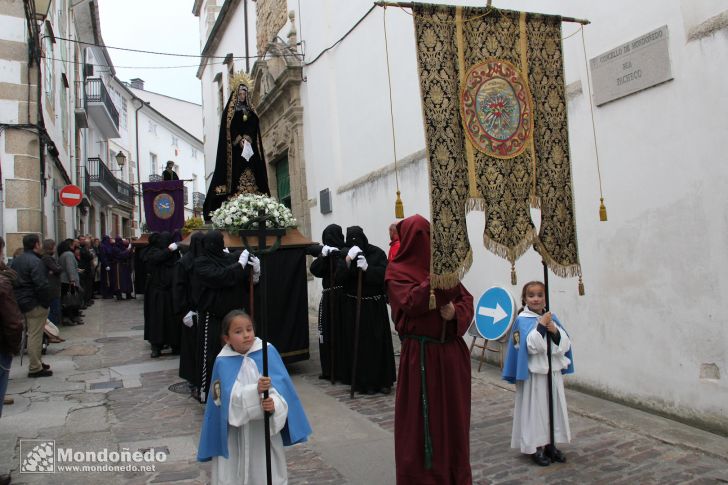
[(198, 200), (96, 93), (98, 172), (87, 183)]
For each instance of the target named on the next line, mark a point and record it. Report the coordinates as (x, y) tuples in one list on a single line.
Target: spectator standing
[(85, 264), (11, 330), (31, 294), (70, 281), (54, 271)]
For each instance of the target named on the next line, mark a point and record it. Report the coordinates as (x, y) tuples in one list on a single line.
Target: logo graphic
[(37, 456), (163, 206), (496, 109)]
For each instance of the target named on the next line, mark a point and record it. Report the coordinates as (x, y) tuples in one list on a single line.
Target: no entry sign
[(70, 195)]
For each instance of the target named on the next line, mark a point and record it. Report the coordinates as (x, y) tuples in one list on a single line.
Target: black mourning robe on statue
[(223, 287), (161, 325), (330, 323), (233, 174), (375, 369), (185, 297)]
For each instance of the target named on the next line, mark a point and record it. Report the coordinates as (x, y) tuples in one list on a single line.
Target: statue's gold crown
[(241, 77)]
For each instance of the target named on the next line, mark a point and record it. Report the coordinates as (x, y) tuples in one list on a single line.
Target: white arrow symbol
[(497, 313)]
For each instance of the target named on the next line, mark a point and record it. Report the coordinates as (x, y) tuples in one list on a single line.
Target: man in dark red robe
[(431, 448)]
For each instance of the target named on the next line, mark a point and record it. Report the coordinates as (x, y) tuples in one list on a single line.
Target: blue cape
[(214, 434), (515, 367)]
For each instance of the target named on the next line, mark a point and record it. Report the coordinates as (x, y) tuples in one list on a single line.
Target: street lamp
[(41, 8), (120, 159)]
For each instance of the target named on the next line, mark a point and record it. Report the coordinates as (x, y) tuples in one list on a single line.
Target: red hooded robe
[(447, 366)]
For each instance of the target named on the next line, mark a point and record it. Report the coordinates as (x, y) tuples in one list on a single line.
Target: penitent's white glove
[(108, 268), (326, 250), (361, 263), (226, 251), (243, 259), (172, 247), (353, 252), (255, 263)]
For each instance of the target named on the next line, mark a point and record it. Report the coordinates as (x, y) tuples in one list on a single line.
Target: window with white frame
[(152, 127), (123, 113), (153, 163)]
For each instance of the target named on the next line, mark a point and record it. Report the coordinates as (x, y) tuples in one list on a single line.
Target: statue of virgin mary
[(240, 164)]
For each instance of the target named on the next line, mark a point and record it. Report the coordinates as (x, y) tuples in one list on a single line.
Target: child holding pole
[(232, 430), (527, 367)]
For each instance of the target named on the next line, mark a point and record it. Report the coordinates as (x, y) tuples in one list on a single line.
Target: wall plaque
[(636, 65)]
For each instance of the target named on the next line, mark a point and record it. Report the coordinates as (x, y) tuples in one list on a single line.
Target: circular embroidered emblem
[(496, 108), (163, 206)]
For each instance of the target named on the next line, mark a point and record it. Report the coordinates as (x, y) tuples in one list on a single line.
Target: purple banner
[(164, 206)]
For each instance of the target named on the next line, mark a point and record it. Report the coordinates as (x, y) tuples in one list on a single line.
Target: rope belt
[(423, 340), (326, 290)]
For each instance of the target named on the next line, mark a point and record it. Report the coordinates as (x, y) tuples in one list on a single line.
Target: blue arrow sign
[(494, 313)]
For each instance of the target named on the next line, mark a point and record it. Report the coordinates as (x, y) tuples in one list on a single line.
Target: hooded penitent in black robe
[(223, 287), (233, 174), (185, 296), (161, 325), (325, 267), (375, 370)]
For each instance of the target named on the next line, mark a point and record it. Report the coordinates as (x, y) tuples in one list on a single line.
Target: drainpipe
[(139, 173)]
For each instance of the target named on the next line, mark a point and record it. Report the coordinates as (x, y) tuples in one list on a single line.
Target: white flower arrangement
[(240, 212)]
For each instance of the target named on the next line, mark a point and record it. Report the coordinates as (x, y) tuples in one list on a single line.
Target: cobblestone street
[(107, 393)]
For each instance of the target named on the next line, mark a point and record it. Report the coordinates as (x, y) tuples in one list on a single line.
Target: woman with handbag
[(71, 295)]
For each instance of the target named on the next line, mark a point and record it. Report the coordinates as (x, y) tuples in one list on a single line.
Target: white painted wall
[(230, 40), (188, 157), (654, 273), (183, 113)]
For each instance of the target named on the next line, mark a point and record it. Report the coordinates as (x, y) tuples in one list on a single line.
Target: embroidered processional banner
[(164, 205), (494, 105)]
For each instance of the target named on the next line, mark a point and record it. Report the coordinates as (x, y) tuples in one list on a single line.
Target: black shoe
[(540, 459), (554, 454), (175, 351), (41, 373), (370, 391), (45, 366), (155, 352), (68, 323), (386, 390), (323, 377), (4, 479), (79, 322)]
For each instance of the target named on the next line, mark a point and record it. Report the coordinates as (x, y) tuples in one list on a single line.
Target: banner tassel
[(602, 210), (433, 300), (514, 279), (581, 286), (398, 208)]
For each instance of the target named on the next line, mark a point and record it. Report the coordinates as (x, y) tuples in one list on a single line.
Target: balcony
[(100, 107), (81, 110), (198, 200), (106, 186)]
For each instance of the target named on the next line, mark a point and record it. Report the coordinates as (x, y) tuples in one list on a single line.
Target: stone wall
[(22, 196), (271, 16)]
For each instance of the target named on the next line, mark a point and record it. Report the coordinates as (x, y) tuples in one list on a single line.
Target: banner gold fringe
[(450, 280)]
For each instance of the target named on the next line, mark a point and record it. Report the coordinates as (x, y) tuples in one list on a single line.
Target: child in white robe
[(233, 429), (527, 366)]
